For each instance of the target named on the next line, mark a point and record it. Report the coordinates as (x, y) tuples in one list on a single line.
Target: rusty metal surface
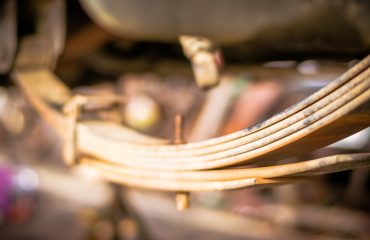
[(335, 114), (285, 26), (300, 127), (227, 179)]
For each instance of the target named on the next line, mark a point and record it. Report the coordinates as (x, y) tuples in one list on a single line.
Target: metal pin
[(73, 109), (179, 129), (182, 198), (182, 201)]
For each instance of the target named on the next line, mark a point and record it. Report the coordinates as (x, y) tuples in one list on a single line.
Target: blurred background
[(275, 53)]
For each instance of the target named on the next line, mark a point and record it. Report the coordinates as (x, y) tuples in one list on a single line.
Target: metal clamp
[(73, 109)]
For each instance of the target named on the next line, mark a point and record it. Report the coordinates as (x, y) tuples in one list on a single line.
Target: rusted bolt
[(182, 198), (182, 201)]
